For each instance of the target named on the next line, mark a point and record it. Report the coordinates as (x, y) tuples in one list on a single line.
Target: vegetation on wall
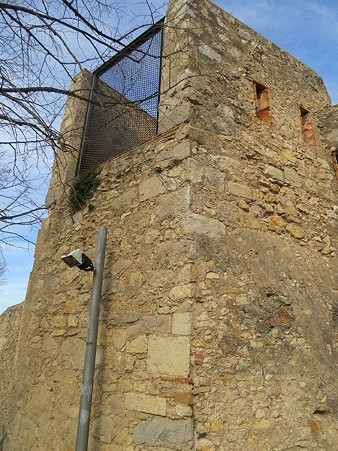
[(82, 189)]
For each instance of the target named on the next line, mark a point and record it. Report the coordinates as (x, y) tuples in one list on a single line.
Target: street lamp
[(79, 259)]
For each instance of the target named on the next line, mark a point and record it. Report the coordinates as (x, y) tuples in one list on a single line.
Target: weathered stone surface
[(276, 224), (183, 411), (103, 428), (184, 397), (295, 231), (226, 163), (238, 189), (119, 337), (181, 323), (274, 173), (164, 432), (181, 292), (204, 445), (202, 225), (169, 355), (145, 403), (126, 200), (159, 324), (72, 351), (178, 152), (214, 177), (209, 52), (291, 176), (172, 203), (138, 345), (151, 187), (220, 284)]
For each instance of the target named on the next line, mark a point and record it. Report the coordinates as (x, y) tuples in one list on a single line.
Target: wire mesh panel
[(124, 104)]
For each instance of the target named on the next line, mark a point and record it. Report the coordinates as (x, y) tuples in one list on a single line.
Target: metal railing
[(123, 108)]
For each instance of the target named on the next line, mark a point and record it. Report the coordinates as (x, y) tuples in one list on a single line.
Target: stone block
[(58, 332), (49, 345), (171, 116), (59, 321), (121, 265), (169, 355), (178, 152), (164, 432), (181, 292), (214, 177), (71, 306), (274, 173), (130, 317), (72, 321), (193, 171), (187, 273), (291, 176), (210, 53), (276, 224), (202, 225), (183, 397), (237, 189), (103, 428), (151, 187), (204, 445), (295, 231), (181, 323), (131, 283), (125, 200), (40, 400), (226, 163), (161, 278), (138, 345), (119, 338), (158, 323), (72, 351), (183, 411), (172, 203), (146, 403)]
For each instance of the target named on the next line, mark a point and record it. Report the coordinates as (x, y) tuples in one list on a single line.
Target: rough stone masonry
[(219, 317)]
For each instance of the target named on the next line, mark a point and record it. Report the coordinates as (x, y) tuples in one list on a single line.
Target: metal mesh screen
[(124, 104)]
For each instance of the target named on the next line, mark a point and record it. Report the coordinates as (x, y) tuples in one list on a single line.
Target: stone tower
[(219, 316)]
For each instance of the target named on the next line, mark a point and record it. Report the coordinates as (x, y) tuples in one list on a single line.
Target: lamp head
[(79, 259)]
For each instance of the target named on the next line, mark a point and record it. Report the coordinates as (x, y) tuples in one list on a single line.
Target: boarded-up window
[(262, 103), (307, 126)]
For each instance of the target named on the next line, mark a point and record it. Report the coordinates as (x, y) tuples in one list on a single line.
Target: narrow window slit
[(262, 103), (334, 156), (307, 126)]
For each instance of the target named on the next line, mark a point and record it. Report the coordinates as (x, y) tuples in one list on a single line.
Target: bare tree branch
[(45, 43)]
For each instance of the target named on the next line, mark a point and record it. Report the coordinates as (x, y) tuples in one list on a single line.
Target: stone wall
[(264, 219), (146, 314), (218, 324), (10, 322), (329, 121)]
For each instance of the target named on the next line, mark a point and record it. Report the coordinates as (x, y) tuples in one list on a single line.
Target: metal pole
[(89, 362)]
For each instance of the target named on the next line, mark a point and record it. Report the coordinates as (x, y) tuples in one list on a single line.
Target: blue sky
[(308, 29)]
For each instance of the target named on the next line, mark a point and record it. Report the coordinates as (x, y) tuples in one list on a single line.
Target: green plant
[(82, 189)]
